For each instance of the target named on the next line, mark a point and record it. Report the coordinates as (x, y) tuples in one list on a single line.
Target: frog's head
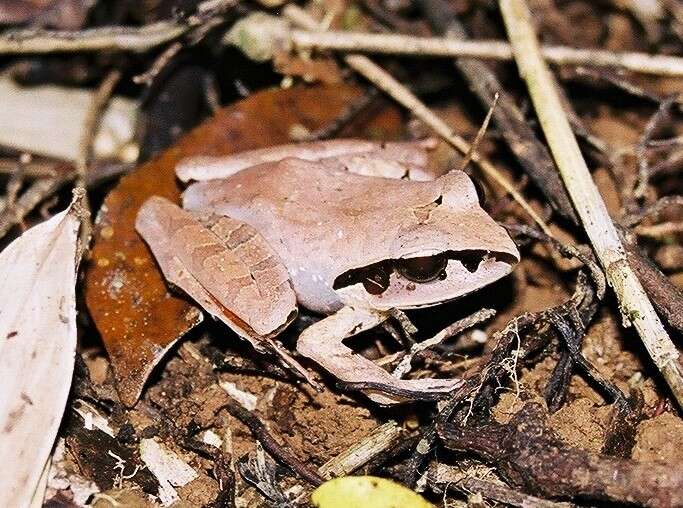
[(435, 245)]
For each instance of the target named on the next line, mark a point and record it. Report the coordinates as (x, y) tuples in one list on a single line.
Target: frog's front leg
[(322, 343)]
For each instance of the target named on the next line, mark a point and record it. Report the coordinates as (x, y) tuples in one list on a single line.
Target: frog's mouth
[(422, 281)]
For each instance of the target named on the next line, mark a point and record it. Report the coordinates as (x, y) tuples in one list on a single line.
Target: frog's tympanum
[(347, 228)]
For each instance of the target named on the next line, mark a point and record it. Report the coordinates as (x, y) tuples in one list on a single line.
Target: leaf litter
[(552, 383)]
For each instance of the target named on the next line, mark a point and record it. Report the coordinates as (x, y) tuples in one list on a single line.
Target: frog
[(346, 228)]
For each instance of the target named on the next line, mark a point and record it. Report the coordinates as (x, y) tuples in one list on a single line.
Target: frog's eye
[(422, 269)]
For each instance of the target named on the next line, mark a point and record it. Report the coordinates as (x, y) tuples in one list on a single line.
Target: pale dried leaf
[(37, 347), (169, 469), (48, 120)]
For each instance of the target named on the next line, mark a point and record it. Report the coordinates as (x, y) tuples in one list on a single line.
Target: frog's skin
[(326, 225)]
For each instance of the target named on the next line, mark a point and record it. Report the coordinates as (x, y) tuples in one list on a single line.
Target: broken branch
[(485, 49)]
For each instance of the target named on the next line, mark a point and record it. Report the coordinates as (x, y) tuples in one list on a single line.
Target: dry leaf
[(169, 469), (48, 120), (37, 348)]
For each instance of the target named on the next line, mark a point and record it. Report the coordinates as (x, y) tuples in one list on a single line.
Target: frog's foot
[(322, 343)]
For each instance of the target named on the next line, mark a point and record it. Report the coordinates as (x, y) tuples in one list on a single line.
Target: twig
[(270, 444), (453, 478), (652, 211), (666, 296), (496, 50), (515, 130), (85, 148), (635, 306), (378, 441), (147, 77), (115, 38), (384, 81), (349, 114), (403, 366), (529, 454), (39, 190), (652, 126), (664, 229)]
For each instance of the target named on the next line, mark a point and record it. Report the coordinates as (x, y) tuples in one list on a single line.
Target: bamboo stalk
[(645, 63), (636, 308), (385, 82)]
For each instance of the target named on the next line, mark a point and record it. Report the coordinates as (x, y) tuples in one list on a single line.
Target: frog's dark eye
[(422, 269)]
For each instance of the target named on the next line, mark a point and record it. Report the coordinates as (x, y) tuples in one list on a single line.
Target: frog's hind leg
[(228, 268), (322, 343), (358, 156)]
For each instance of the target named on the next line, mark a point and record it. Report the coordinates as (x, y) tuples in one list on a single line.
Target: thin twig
[(384, 81), (459, 326), (652, 211), (635, 306), (489, 49), (512, 123), (653, 124), (113, 38), (664, 229), (85, 148), (37, 192), (278, 451), (147, 77)]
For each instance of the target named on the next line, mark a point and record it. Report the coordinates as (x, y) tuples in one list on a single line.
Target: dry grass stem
[(635, 306), (385, 82), (645, 63), (379, 440), (115, 38), (85, 148)]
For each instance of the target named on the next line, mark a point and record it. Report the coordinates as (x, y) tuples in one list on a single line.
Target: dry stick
[(459, 326), (634, 303), (496, 50), (37, 192), (360, 453), (269, 443), (385, 82), (455, 478), (85, 148), (521, 139), (94, 39)]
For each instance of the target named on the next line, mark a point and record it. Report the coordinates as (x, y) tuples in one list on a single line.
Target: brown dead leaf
[(137, 316)]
